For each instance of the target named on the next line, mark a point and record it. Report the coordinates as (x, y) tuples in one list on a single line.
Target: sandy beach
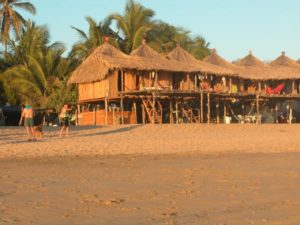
[(144, 174)]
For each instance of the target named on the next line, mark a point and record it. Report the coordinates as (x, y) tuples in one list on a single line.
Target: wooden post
[(122, 102), (195, 82), (290, 112), (106, 111), (208, 108), (176, 106), (113, 115), (257, 109), (259, 87), (230, 85), (155, 81), (153, 106), (201, 106), (135, 111), (171, 112), (225, 112), (218, 113), (77, 113), (143, 113), (293, 87), (95, 122)]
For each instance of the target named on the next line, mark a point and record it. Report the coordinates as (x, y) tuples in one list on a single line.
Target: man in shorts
[(27, 115)]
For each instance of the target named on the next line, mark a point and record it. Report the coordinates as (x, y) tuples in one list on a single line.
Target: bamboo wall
[(93, 90)]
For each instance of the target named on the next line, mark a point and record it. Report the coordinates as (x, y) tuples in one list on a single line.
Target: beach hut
[(102, 78), (288, 71)]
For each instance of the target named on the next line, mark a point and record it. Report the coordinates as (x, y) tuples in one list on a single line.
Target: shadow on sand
[(77, 134), (118, 130)]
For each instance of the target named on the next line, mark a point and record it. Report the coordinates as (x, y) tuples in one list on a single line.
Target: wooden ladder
[(187, 112), (153, 109)]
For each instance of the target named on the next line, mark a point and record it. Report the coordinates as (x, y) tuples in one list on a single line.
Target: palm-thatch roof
[(253, 68), (149, 59), (191, 64), (286, 67), (100, 63)]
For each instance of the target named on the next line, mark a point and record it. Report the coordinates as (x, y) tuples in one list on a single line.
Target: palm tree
[(164, 38), (134, 25), (92, 39), (42, 70), (11, 20)]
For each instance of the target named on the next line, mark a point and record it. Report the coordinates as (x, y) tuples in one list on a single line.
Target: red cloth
[(276, 90)]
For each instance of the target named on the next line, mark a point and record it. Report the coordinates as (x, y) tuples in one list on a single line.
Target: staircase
[(153, 110), (187, 113)]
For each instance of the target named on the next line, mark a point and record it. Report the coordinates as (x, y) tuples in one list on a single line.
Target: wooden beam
[(106, 111), (95, 119), (143, 114), (135, 111), (293, 87), (208, 108), (153, 108), (218, 112), (225, 112), (171, 112), (176, 106), (121, 101), (257, 109), (201, 107)]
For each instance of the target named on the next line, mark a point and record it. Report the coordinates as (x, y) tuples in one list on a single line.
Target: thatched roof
[(191, 64), (100, 63), (149, 59), (253, 68), (286, 67), (217, 60)]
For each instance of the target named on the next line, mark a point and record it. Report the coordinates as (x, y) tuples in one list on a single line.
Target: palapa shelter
[(146, 86), (159, 73), (195, 69)]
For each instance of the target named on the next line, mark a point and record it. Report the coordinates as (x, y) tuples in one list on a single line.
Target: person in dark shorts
[(65, 120), (27, 115)]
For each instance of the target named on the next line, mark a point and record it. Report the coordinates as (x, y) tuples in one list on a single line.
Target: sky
[(233, 27)]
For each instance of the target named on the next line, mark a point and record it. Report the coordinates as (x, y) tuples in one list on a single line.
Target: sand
[(140, 175), (153, 139)]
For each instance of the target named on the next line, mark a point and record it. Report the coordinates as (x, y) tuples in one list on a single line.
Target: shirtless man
[(27, 115)]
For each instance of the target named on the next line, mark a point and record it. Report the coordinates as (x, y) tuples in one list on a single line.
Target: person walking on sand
[(27, 115), (65, 120)]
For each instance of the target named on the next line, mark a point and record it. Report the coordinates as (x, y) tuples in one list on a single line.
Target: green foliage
[(11, 20), (38, 71), (134, 25)]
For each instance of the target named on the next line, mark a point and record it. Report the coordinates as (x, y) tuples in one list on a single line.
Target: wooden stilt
[(113, 115), (290, 112), (95, 115), (106, 111), (225, 112), (208, 108), (122, 103), (293, 87), (259, 87), (143, 114), (176, 105), (171, 112), (201, 107), (135, 111), (257, 110), (218, 113), (153, 105)]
